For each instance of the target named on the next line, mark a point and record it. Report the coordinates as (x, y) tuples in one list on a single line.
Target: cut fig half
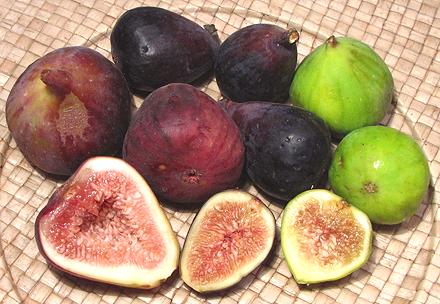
[(323, 238), (231, 236), (105, 224)]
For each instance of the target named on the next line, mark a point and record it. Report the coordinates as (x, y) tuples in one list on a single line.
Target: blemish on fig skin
[(370, 187), (191, 176)]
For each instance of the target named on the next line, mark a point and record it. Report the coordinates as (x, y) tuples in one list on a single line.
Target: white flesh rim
[(239, 273), (308, 273), (124, 275)]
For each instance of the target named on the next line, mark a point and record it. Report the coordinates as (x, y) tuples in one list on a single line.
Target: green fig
[(346, 83), (381, 171)]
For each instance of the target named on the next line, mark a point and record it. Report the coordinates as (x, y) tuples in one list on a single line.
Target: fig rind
[(306, 269), (123, 275), (247, 202)]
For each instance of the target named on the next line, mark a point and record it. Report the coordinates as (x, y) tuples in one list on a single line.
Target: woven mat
[(405, 264)]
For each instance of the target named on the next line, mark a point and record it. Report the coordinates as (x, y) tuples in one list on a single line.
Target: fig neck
[(58, 81)]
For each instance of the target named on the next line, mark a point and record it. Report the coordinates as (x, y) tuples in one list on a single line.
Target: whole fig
[(344, 82), (67, 106), (184, 144), (154, 47), (257, 63)]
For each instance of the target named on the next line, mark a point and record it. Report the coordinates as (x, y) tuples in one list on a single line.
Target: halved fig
[(323, 237), (105, 224), (231, 236)]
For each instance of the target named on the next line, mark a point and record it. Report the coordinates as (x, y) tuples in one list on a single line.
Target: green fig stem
[(58, 81), (331, 41)]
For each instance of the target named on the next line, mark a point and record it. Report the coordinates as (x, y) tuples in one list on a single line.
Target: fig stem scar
[(331, 41)]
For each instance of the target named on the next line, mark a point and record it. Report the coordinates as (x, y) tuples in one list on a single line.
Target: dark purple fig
[(257, 63), (288, 149), (184, 144), (154, 47)]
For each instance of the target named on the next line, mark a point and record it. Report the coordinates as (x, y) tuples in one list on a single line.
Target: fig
[(323, 238), (346, 83), (67, 106), (257, 62), (105, 224), (184, 144), (288, 149), (382, 171), (154, 47), (231, 236)]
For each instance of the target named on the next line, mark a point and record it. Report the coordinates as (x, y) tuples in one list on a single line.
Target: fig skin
[(241, 226), (257, 62), (154, 47), (184, 144), (67, 106), (288, 149), (382, 171), (72, 198), (344, 82)]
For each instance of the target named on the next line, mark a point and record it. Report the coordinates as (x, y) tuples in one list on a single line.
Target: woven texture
[(405, 264)]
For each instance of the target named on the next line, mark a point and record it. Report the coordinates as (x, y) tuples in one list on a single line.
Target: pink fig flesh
[(105, 224)]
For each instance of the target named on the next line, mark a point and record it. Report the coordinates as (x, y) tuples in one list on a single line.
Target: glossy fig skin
[(154, 47), (67, 106), (257, 62), (288, 149), (184, 144)]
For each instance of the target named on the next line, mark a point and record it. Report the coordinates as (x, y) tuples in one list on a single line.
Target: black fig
[(154, 47), (288, 149), (257, 63)]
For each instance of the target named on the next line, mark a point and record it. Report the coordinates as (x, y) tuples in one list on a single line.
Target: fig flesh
[(344, 82), (382, 171), (184, 144), (323, 237), (67, 106), (231, 235), (105, 224), (288, 149), (257, 62), (154, 47)]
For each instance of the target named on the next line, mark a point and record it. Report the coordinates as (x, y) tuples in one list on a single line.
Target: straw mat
[(405, 264)]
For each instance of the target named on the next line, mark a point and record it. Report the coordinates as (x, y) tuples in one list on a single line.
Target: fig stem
[(210, 28), (331, 41), (59, 81), (289, 38)]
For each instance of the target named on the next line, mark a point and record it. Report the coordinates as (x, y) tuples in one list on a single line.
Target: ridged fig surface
[(257, 62), (231, 236), (154, 47), (184, 144), (67, 106), (346, 83), (288, 149), (105, 224)]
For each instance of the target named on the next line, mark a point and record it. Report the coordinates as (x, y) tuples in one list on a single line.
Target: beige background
[(405, 264)]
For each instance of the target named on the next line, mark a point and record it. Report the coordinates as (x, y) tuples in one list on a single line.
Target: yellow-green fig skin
[(381, 171), (346, 83)]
